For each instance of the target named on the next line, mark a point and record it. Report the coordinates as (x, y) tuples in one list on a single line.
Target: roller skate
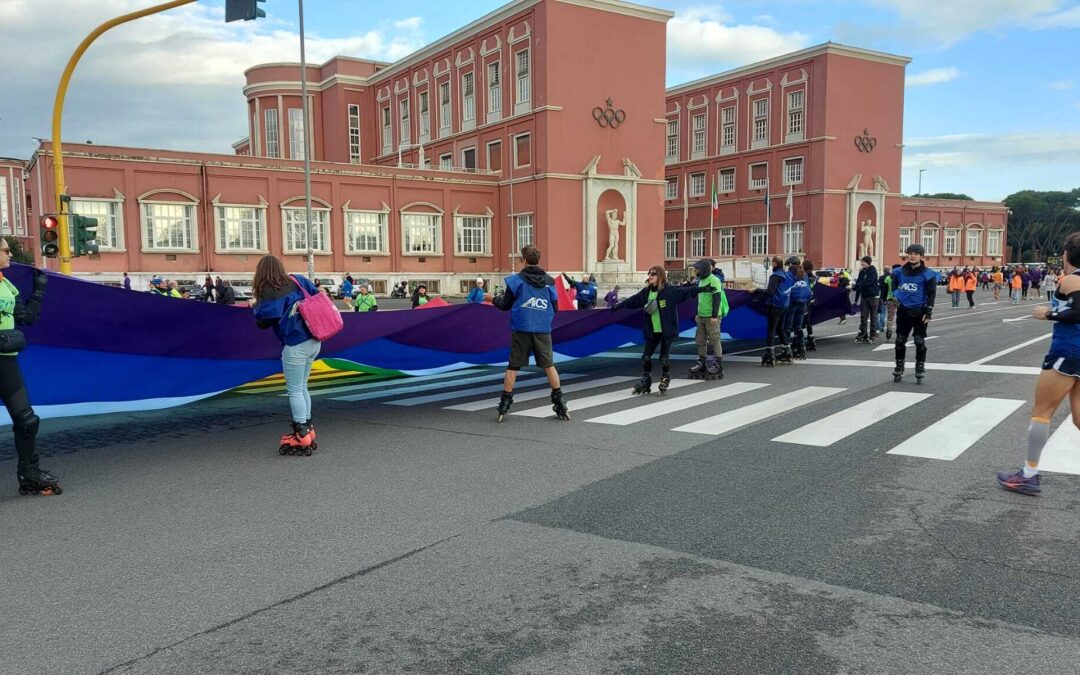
[(920, 372), (898, 371), (36, 481), (767, 359), (559, 405), (714, 369), (861, 339), (697, 371), (665, 382), (888, 335), (783, 355), (798, 352), (300, 442), (873, 338), (505, 402), (811, 346), (644, 385)]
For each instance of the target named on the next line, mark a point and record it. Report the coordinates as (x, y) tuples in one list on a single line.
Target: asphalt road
[(733, 526)]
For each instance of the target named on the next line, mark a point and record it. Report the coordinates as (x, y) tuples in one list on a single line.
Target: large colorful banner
[(98, 349)]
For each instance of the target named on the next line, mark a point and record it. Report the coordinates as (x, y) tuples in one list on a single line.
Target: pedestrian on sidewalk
[(1025, 282), (127, 282), (1050, 285), (869, 290), (532, 301), (954, 286), (998, 277), (1060, 376), (1036, 282), (660, 301), (1017, 285), (275, 295), (347, 291), (969, 288)]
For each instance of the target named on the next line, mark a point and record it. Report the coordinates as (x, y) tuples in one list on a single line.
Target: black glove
[(12, 341), (40, 281)]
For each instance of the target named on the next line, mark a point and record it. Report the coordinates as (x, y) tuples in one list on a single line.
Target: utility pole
[(920, 181), (307, 147)]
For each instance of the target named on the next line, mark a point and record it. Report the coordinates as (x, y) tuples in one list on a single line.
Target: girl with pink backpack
[(302, 318)]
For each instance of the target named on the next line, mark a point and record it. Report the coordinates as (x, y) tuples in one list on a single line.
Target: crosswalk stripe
[(829, 430), (741, 417), (597, 400), (417, 388), (533, 395), (950, 436), (676, 404), (1062, 452), (392, 383), (473, 391), (892, 344)]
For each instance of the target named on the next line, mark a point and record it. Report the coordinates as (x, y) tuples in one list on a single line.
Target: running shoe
[(1017, 483)]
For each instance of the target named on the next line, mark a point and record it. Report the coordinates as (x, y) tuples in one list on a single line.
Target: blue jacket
[(667, 302), (531, 298), (279, 311), (780, 295), (586, 294), (915, 288), (801, 289), (476, 296)]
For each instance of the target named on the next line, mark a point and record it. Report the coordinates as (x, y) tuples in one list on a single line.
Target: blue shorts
[(1063, 365)]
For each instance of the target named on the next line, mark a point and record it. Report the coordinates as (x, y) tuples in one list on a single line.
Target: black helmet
[(793, 260), (915, 248)]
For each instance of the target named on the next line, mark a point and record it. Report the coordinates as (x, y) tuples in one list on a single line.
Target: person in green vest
[(712, 308), (365, 302), (157, 287), (888, 308), (24, 422), (420, 296)]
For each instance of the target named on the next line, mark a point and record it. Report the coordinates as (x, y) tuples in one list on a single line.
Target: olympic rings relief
[(608, 117), (866, 142)]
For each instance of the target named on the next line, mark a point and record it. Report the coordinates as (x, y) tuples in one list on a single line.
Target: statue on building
[(866, 248), (613, 224)]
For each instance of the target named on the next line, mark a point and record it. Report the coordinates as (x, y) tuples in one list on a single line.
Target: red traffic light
[(50, 235), (50, 223)]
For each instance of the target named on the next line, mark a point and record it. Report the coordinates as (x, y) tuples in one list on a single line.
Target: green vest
[(8, 295), (365, 303), (421, 300), (655, 316), (705, 300)]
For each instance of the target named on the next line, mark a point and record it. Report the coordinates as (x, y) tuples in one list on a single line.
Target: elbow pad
[(12, 341), (1070, 314)]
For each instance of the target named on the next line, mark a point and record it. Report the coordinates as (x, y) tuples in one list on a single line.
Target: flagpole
[(685, 215), (712, 213)]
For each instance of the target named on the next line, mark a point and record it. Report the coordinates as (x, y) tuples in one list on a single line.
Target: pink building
[(14, 205), (955, 233)]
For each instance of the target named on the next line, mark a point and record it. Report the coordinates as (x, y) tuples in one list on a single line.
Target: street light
[(920, 180)]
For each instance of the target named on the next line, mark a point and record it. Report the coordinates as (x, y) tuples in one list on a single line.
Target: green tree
[(1040, 221), (945, 195), (18, 253)]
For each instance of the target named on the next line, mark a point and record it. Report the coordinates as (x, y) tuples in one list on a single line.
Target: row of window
[(973, 238), (728, 130), (467, 94), (757, 242), (171, 226), (522, 155), (273, 136), (758, 179), (11, 220)]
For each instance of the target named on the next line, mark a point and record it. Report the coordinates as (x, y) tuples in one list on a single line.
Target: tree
[(18, 253), (945, 195), (1040, 220)]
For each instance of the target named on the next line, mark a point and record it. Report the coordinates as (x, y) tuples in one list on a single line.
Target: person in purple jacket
[(1036, 280), (612, 298)]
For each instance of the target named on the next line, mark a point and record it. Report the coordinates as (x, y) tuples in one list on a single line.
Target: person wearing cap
[(867, 293), (476, 295), (157, 286), (420, 296), (915, 288)]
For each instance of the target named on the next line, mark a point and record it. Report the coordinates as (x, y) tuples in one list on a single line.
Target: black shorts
[(524, 344), (1065, 366)]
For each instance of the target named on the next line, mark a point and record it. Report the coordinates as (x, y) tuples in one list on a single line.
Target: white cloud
[(171, 80), (1068, 18), (934, 76), (1062, 85), (993, 150), (702, 39), (946, 23)]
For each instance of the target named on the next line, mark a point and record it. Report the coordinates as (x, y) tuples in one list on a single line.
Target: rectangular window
[(403, 107), (6, 226), (759, 240), (727, 180), (522, 150), (169, 226), (421, 232), (472, 234), (365, 232), (795, 113), (672, 190), (387, 131), (761, 122), (727, 130), (253, 145), (950, 242), (468, 158), (697, 244), (793, 238), (494, 102), (526, 233), (993, 243), (240, 228), (468, 98), (273, 149), (697, 184), (759, 176), (296, 133), (524, 84), (425, 115), (109, 216), (20, 222), (671, 245), (974, 242), (354, 133), (295, 224), (494, 156), (793, 171), (727, 241), (699, 136), (673, 140), (446, 162), (444, 108), (929, 240), (907, 235)]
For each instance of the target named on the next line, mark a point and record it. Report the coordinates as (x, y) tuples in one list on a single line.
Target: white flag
[(790, 205)]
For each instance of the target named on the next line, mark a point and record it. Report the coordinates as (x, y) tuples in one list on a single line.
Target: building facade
[(15, 217)]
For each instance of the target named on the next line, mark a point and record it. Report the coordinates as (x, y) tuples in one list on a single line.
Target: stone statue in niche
[(613, 224), (866, 248)]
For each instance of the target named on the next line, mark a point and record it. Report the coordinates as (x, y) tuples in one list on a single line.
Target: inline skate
[(559, 405), (783, 355), (768, 360), (301, 441), (698, 370), (714, 369), (644, 385), (37, 481), (811, 346), (898, 371), (920, 372), (505, 402), (665, 382)]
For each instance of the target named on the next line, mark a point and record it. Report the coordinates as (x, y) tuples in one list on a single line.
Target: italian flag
[(715, 200)]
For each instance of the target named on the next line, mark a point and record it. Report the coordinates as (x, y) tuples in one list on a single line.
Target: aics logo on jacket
[(910, 287), (535, 303)]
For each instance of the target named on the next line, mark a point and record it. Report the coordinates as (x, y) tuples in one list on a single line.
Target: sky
[(992, 97)]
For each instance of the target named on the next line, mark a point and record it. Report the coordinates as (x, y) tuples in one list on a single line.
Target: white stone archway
[(595, 185), (859, 234)]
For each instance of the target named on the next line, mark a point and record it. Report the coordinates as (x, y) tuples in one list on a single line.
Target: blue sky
[(993, 102)]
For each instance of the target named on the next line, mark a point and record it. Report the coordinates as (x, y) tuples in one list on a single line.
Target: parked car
[(328, 284), (194, 291)]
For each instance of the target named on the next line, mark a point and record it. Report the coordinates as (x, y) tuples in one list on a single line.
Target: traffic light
[(246, 10), (50, 236), (85, 235)]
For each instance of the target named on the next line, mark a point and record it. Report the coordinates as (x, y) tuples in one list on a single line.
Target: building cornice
[(625, 8), (793, 57), (951, 203)]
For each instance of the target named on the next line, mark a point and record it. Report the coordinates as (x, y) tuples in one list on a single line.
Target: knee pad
[(26, 424), (665, 363), (920, 341)]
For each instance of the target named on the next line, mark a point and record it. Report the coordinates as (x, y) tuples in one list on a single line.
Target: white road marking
[(911, 343), (473, 391), (1019, 318), (1010, 350), (420, 387), (755, 412), (856, 363), (1062, 452), (391, 383), (597, 400), (533, 395), (676, 404), (950, 436), (839, 426)]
